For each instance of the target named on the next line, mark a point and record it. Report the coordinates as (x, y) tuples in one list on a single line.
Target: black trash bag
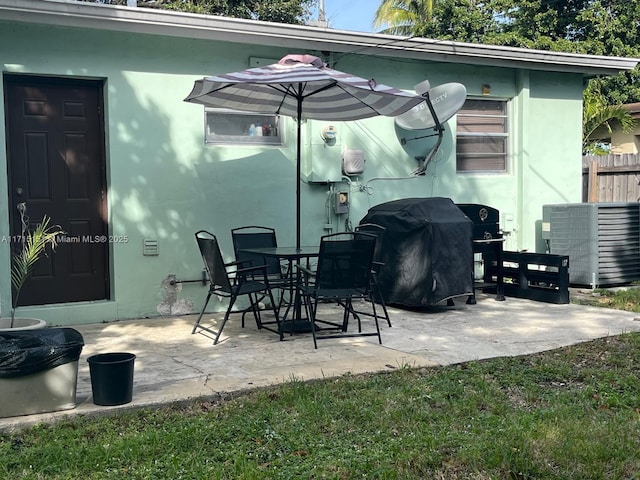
[(25, 352)]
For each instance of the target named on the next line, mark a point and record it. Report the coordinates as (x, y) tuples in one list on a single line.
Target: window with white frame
[(233, 127), (482, 136)]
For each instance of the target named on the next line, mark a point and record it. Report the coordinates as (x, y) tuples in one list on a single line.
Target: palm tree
[(596, 114), (403, 17), (33, 247)]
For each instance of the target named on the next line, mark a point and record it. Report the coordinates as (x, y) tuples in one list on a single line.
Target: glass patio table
[(292, 255)]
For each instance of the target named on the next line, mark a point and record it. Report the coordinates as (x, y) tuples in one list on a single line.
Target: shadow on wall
[(253, 190), (159, 193)]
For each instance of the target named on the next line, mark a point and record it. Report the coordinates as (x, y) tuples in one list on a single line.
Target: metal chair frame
[(256, 236), (342, 275), (232, 280), (378, 231)]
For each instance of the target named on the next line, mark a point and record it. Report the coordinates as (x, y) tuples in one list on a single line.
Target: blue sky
[(350, 14)]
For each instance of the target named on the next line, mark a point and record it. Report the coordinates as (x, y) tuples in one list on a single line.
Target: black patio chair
[(378, 265), (232, 280), (342, 275), (254, 236)]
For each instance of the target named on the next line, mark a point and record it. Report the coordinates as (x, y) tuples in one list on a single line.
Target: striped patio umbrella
[(302, 87)]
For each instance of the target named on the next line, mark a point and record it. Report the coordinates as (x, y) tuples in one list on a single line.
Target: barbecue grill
[(487, 240), (426, 251)]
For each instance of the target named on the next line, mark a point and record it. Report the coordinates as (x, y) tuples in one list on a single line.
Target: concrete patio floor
[(173, 365)]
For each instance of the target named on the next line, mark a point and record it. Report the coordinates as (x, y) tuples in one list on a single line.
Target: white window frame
[(235, 128), (476, 158)]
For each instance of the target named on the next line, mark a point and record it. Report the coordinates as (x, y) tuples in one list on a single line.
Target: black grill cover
[(427, 250)]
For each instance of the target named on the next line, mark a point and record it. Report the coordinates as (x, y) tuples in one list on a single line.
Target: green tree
[(403, 17), (280, 11), (543, 24), (598, 115), (462, 21), (612, 28), (597, 27)]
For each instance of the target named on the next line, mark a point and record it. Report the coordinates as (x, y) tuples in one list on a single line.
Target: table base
[(299, 326)]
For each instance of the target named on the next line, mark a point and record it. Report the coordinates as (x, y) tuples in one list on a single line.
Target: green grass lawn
[(620, 299), (571, 413)]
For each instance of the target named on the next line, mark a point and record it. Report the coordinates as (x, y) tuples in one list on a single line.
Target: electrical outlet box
[(353, 162), (321, 163), (341, 203)]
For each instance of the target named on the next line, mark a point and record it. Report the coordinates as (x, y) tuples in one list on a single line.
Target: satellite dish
[(419, 127), (446, 99)]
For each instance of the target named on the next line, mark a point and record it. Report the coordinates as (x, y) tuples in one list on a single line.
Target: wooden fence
[(611, 178)]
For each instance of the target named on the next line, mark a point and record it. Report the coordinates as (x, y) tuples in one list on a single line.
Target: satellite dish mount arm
[(439, 131)]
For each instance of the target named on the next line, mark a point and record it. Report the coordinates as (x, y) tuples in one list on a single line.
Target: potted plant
[(33, 246), (42, 375)]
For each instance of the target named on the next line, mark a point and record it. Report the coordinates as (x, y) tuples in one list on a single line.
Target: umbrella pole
[(298, 173)]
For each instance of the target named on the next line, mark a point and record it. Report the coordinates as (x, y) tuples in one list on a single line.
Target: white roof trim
[(186, 25)]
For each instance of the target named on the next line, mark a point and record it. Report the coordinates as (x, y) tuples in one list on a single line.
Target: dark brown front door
[(55, 151)]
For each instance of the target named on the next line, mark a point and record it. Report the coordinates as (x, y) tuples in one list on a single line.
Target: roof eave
[(186, 25)]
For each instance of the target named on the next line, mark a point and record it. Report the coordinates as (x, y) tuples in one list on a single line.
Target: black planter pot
[(111, 378)]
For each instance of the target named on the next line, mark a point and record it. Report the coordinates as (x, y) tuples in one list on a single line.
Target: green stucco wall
[(165, 184)]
